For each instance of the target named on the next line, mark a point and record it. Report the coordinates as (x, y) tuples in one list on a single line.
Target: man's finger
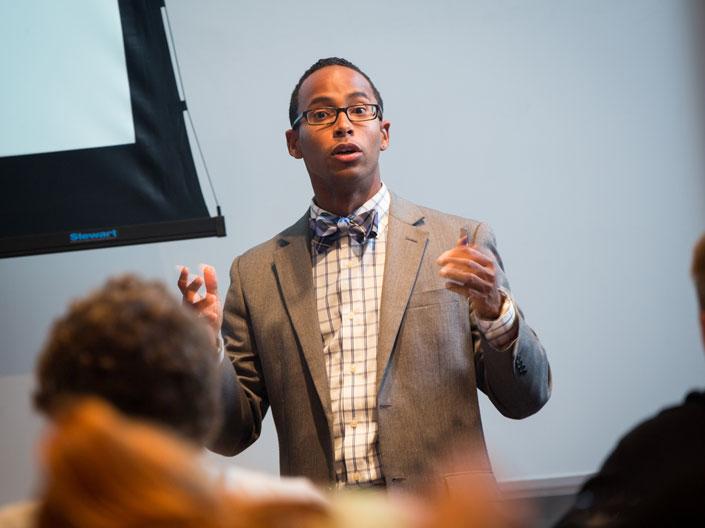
[(211, 280), (182, 282), (190, 293), (481, 284), (478, 290), (464, 276), (466, 253), (461, 263), (478, 287), (468, 238)]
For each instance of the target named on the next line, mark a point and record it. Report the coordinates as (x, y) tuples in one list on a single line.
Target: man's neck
[(343, 204)]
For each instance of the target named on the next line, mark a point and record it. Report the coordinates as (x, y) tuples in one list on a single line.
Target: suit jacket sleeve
[(244, 399), (517, 380)]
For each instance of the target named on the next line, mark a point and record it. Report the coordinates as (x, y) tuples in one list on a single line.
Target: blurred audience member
[(656, 474), (134, 345), (105, 471)]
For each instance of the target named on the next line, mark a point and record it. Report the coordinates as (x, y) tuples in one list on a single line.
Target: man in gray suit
[(368, 325)]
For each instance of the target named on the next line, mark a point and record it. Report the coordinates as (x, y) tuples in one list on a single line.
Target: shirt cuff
[(500, 332)]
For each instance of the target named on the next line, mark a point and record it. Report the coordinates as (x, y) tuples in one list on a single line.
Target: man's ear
[(384, 129), (292, 143)]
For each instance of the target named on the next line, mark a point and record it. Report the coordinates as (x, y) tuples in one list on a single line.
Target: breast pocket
[(431, 297)]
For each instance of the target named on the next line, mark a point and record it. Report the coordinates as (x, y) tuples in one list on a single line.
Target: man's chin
[(348, 173)]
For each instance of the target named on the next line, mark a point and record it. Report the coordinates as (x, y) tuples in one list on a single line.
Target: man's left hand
[(471, 273)]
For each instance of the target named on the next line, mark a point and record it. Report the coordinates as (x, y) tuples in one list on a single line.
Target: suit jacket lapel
[(292, 261), (406, 245)]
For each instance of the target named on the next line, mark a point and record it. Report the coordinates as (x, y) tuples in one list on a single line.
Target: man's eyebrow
[(328, 101)]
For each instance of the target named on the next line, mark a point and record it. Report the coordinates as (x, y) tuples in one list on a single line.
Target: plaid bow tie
[(328, 228)]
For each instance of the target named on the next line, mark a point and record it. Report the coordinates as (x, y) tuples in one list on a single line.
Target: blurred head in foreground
[(133, 344), (104, 470)]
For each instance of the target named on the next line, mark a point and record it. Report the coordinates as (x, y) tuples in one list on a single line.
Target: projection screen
[(94, 150)]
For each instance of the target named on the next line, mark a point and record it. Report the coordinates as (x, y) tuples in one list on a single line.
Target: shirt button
[(355, 477), (353, 424), (351, 315), (350, 264), (353, 369)]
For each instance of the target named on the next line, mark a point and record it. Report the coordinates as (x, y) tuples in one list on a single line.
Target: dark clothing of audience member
[(654, 477)]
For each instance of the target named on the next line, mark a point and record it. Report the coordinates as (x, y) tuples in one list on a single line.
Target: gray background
[(572, 127)]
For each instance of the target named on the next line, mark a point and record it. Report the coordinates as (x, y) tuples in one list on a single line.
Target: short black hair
[(319, 64), (134, 345)]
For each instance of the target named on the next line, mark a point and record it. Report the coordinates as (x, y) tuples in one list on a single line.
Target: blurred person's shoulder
[(653, 475), (19, 515), (257, 485), (680, 425), (667, 444)]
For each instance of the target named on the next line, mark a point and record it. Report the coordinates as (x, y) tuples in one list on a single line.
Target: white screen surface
[(69, 87)]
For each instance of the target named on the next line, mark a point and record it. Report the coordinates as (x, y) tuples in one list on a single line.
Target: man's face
[(340, 156)]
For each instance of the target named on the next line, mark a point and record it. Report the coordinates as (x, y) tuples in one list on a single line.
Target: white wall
[(572, 127)]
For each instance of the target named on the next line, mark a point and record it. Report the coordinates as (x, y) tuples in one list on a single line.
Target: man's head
[(134, 345), (323, 63), (698, 271), (340, 156)]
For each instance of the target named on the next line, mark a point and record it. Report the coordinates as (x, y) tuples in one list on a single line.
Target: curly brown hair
[(133, 344)]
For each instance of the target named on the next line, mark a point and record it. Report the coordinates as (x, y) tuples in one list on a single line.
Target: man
[(656, 474), (354, 325)]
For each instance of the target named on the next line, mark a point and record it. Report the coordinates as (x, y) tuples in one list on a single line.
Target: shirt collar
[(379, 201)]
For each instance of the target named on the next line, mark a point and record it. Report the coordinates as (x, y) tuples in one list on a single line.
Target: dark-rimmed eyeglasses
[(326, 115)]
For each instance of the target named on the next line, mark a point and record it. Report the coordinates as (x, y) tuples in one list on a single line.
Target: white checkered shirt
[(348, 280)]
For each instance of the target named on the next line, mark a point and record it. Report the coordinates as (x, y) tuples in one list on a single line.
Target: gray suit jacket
[(431, 358)]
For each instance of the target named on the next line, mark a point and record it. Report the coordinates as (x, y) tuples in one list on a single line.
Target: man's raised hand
[(207, 306), (471, 273)]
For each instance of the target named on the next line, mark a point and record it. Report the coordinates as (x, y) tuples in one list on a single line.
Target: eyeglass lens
[(324, 115)]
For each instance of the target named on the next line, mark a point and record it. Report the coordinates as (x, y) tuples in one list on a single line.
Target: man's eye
[(320, 114), (359, 110)]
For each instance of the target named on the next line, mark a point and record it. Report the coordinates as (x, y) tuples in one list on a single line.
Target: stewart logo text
[(90, 237)]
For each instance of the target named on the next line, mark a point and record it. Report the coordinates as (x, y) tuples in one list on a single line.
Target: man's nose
[(343, 125)]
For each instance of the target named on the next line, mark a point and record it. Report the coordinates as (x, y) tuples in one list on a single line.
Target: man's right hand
[(207, 306)]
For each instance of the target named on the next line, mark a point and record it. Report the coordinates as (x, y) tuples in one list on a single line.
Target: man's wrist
[(501, 331), (505, 305)]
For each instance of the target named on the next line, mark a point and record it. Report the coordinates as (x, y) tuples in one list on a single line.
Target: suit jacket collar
[(292, 262), (406, 245)]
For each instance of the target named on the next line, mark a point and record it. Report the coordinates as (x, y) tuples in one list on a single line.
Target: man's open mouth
[(346, 148)]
